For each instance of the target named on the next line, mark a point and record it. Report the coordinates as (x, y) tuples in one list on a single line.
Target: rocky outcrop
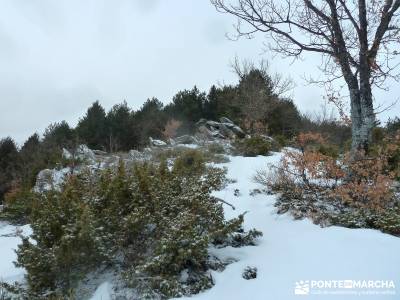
[(84, 153), (49, 179), (224, 129), (206, 131), (186, 139)]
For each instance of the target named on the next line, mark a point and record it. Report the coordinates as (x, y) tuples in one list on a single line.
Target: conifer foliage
[(151, 221)]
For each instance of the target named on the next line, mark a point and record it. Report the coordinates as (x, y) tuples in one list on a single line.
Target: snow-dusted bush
[(151, 223), (341, 190), (253, 146), (17, 205)]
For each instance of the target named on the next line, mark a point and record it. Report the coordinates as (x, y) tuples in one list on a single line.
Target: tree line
[(256, 103)]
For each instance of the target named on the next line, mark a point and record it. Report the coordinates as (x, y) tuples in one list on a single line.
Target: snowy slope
[(291, 250)]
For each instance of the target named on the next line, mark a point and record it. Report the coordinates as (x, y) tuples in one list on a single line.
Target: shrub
[(256, 145), (171, 128), (216, 148), (190, 162), (67, 243), (387, 221), (323, 186), (150, 222), (281, 140), (18, 205)]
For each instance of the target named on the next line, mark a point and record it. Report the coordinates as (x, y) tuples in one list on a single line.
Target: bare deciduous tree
[(355, 37)]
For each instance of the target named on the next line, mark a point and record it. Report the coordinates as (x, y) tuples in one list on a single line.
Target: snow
[(289, 251), (102, 292), (8, 242), (293, 251)]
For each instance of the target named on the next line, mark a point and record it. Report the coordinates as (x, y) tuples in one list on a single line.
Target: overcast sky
[(58, 56)]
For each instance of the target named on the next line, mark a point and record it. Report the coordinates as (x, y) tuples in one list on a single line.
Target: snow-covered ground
[(8, 242), (289, 252), (293, 251)]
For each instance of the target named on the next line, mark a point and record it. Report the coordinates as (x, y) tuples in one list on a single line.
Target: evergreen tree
[(9, 165), (121, 128), (211, 104), (92, 128), (188, 106), (150, 120), (32, 160), (59, 135), (283, 119)]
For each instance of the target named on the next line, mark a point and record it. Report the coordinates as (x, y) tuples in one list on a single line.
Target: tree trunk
[(362, 117)]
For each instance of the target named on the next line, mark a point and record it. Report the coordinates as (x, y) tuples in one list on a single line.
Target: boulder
[(186, 139), (171, 141), (226, 120), (66, 154), (99, 152), (84, 153), (157, 143), (49, 179), (238, 131), (225, 129)]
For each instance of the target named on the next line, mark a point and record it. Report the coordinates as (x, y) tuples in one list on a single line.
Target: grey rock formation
[(157, 143), (84, 153), (225, 129), (186, 139), (50, 179)]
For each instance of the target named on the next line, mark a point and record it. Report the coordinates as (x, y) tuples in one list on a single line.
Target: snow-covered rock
[(66, 154), (186, 139), (84, 153), (157, 143), (225, 129), (226, 120), (49, 179)]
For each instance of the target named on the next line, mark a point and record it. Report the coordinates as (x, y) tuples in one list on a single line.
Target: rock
[(238, 131), (213, 124), (186, 139), (249, 273), (49, 179), (84, 153), (201, 122), (157, 143), (268, 138), (99, 152), (66, 154), (225, 129), (172, 142), (226, 120)]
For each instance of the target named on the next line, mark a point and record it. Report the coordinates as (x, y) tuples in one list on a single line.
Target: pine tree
[(9, 165), (121, 128), (92, 127)]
